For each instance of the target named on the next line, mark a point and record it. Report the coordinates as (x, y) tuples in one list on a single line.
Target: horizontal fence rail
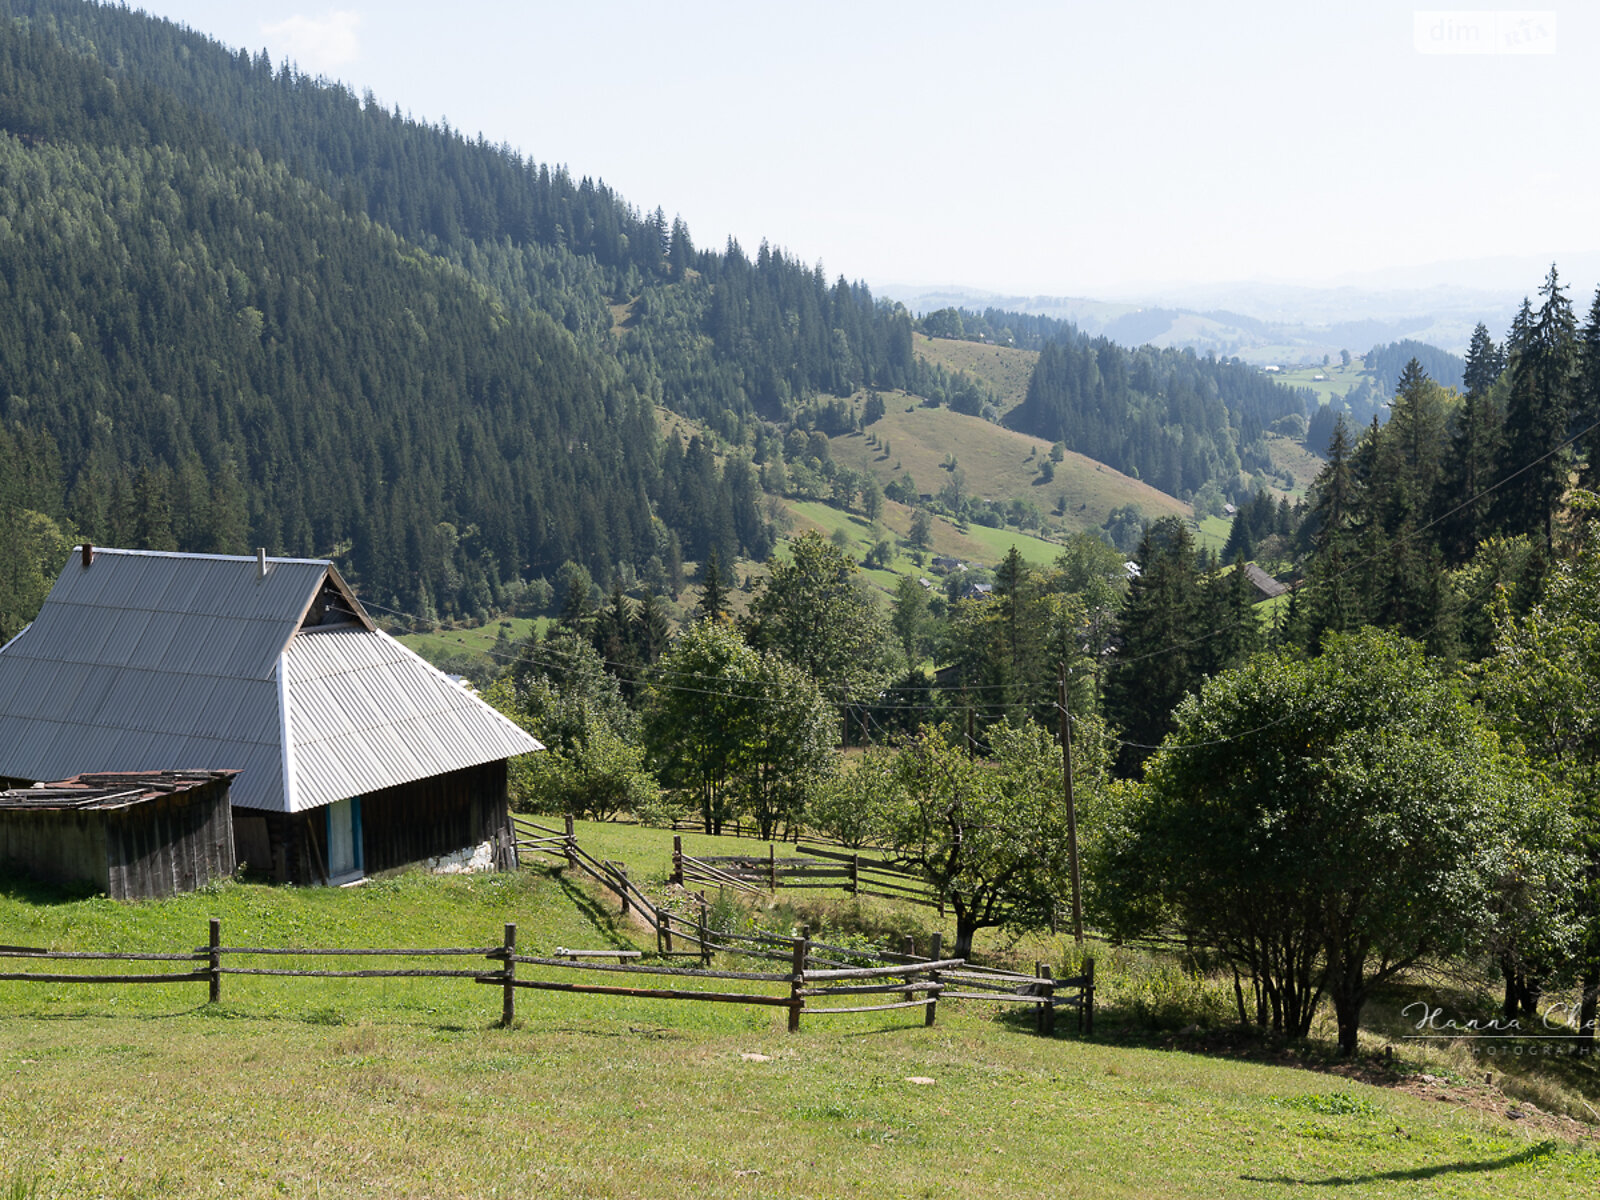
[(808, 989), (854, 872), (815, 979)]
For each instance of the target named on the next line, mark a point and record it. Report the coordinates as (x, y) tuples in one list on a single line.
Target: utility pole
[(1072, 811)]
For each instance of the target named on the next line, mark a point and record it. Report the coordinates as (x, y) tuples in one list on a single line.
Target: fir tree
[(713, 604), (1543, 354)]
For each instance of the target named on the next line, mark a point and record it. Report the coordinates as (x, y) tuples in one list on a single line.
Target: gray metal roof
[(150, 661), (366, 713)]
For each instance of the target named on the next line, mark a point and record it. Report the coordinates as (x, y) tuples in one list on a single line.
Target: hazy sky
[(1066, 148)]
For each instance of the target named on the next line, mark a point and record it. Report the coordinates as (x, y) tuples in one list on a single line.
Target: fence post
[(797, 1001), (216, 959), (572, 843), (508, 998), (855, 874), (935, 946), (677, 859), (772, 867), (664, 930), (622, 888), (705, 945), (1047, 990), (1086, 1000)]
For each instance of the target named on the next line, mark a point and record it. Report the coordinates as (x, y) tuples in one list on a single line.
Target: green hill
[(997, 464), (1005, 370)]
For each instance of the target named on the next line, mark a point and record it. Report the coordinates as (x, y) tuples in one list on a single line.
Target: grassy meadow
[(474, 641), (1005, 369), (1337, 382), (998, 463), (403, 1087), (971, 543)]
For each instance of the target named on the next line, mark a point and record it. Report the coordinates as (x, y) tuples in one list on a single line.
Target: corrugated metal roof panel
[(160, 661), (365, 713)]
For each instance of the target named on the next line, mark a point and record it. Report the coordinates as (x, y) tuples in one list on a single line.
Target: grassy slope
[(477, 642), (976, 544), (1004, 368), (998, 464), (1290, 455), (405, 1088), (1339, 379)]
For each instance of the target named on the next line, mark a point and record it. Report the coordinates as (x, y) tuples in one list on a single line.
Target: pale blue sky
[(1062, 148)]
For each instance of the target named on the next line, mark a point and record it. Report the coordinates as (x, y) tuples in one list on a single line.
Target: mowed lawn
[(402, 1087)]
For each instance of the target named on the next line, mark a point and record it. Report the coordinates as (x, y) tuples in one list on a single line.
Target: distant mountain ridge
[(1259, 323)]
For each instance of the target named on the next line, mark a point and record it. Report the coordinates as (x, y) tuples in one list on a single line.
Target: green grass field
[(1005, 369), (406, 1088), (1337, 382), (477, 642), (998, 464), (974, 543)]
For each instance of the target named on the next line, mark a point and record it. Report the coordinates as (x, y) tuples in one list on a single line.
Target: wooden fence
[(815, 973), (679, 936), (812, 979), (853, 872)]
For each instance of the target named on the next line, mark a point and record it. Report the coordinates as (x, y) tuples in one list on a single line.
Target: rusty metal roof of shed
[(146, 661), (106, 790)]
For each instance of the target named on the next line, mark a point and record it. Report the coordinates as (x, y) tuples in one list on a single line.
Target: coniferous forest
[(240, 307)]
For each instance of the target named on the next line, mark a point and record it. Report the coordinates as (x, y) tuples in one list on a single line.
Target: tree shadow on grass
[(1537, 1150), (25, 889), (604, 920)]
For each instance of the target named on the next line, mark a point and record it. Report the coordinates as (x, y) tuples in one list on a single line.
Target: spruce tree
[(1543, 358), (1586, 410), (1485, 362), (1330, 599), (713, 604), (1156, 665)]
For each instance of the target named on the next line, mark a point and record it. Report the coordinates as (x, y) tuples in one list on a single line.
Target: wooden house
[(134, 836), (353, 754)]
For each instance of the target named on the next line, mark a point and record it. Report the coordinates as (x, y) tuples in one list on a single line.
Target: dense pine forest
[(244, 307)]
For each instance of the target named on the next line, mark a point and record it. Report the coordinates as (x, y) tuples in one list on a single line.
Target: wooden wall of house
[(159, 847), (401, 825), (441, 815)]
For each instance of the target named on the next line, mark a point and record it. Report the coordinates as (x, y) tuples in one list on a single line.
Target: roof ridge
[(238, 558)]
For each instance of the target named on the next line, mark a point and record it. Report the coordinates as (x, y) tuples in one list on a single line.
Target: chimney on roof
[(261, 562), (88, 554)]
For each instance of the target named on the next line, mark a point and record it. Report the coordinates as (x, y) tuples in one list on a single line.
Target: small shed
[(134, 835), (1267, 588)]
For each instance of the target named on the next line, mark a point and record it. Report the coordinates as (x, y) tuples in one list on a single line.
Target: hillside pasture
[(407, 1088), (1339, 379), (978, 544), (1005, 369), (997, 463), (477, 641)]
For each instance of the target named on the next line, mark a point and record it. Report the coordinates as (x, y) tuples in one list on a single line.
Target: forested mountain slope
[(241, 307)]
